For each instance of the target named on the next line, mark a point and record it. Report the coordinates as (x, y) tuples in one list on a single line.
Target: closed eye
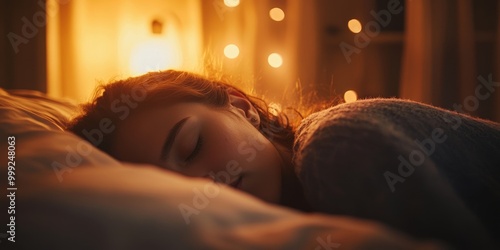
[(196, 150), (171, 138)]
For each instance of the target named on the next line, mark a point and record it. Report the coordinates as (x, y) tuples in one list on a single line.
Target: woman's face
[(203, 141)]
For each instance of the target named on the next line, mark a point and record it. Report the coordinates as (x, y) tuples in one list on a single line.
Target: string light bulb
[(231, 51), (232, 3), (350, 96), (277, 14), (354, 26), (275, 60)]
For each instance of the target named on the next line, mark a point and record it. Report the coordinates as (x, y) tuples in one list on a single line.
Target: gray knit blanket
[(429, 172)]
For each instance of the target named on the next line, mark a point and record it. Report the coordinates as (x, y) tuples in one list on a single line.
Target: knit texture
[(407, 164)]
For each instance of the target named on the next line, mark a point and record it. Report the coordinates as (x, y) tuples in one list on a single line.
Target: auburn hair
[(163, 88)]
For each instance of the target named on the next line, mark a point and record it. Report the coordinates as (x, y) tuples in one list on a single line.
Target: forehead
[(139, 137)]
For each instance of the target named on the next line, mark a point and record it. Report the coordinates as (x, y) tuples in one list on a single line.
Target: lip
[(237, 183)]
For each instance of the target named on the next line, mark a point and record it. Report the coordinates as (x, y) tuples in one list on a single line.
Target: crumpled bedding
[(429, 172), (73, 196)]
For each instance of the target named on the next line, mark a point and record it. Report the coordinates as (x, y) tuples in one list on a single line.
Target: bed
[(66, 194)]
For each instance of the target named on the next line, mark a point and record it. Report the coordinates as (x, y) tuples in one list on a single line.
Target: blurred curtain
[(438, 60), (22, 47), (441, 65)]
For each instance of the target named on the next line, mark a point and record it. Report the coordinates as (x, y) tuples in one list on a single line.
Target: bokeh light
[(274, 108), (350, 96), (231, 51), (277, 14), (275, 60), (232, 3), (354, 26)]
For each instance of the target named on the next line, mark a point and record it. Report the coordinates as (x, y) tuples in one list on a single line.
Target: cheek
[(219, 160), (222, 150), (222, 143)]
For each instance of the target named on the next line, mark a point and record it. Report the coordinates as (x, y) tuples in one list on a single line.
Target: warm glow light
[(154, 55), (232, 3), (354, 26), (275, 60), (274, 108), (350, 96), (277, 14), (231, 51)]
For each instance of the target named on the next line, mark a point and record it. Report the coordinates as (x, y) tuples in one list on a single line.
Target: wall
[(22, 47), (92, 42)]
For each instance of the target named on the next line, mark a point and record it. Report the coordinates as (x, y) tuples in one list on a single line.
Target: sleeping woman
[(428, 172)]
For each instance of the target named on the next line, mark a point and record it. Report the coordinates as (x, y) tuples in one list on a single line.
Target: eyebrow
[(165, 151)]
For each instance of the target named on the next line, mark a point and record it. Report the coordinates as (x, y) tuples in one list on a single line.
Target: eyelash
[(196, 149)]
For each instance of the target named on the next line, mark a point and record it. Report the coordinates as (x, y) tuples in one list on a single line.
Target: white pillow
[(36, 122)]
